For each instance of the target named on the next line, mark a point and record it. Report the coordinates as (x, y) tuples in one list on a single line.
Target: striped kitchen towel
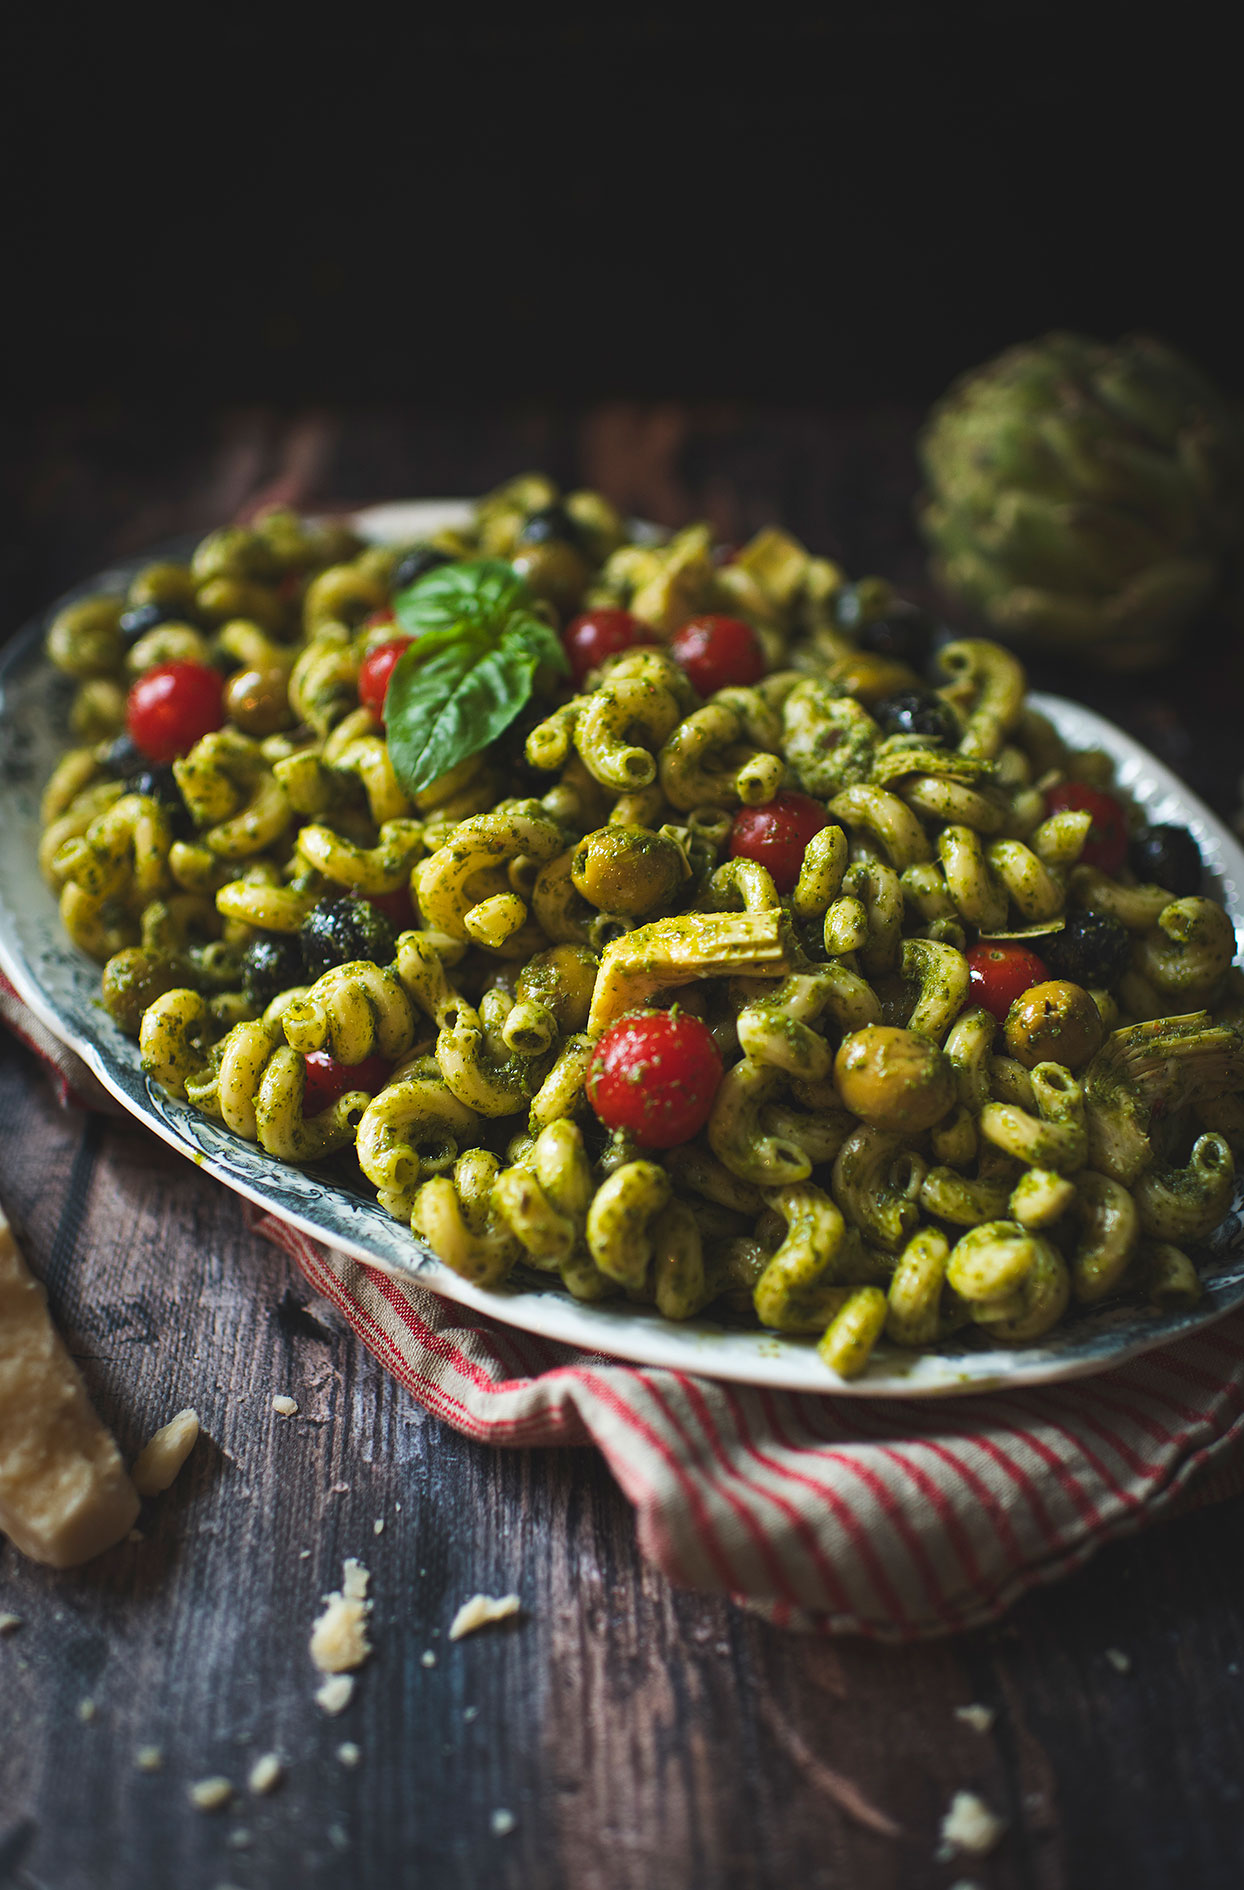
[(894, 1519)]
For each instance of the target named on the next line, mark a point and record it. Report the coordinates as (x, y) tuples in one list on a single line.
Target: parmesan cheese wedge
[(64, 1493)]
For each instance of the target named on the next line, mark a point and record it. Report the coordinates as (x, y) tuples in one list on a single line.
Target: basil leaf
[(470, 670), (480, 595)]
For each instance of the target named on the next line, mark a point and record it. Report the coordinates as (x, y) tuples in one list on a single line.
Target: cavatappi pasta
[(882, 1157)]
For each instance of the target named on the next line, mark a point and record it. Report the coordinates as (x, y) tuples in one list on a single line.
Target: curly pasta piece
[(476, 1063), (736, 1135), (1058, 1139), (798, 1291), (619, 1232), (1107, 1230), (1179, 1203), (703, 763), (886, 819), (383, 868), (124, 850), (354, 1011), (414, 1128), (877, 1182), (848, 1341), (457, 1220), (622, 728), (941, 973), (1186, 954), (914, 1311), (472, 866)]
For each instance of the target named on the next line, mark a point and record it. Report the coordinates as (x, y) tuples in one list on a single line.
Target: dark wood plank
[(640, 1736)]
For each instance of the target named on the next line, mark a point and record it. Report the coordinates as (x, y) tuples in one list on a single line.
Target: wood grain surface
[(640, 1737)]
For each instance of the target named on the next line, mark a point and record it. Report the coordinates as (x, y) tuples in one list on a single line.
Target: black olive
[(271, 964), (549, 523), (135, 623), (123, 758), (918, 712), (339, 930), (416, 563), (904, 633), (1167, 856), (1092, 950), (159, 783)]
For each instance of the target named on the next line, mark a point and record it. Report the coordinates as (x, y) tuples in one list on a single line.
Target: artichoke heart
[(1084, 496)]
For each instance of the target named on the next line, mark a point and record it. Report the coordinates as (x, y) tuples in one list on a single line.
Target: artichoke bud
[(1085, 496)]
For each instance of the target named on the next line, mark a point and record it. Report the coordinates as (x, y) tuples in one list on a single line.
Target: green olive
[(894, 1079), (628, 870), (257, 700), (135, 978), (563, 979), (1056, 1022)]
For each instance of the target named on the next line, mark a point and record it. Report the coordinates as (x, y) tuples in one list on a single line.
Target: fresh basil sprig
[(471, 669)]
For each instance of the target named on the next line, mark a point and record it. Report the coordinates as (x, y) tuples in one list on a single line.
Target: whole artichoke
[(1083, 496)]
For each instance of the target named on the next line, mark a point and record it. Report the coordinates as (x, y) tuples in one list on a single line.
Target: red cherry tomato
[(327, 1079), (1106, 846), (377, 672), (589, 639), (396, 907), (1001, 973), (718, 653), (655, 1074), (777, 834), (172, 706)]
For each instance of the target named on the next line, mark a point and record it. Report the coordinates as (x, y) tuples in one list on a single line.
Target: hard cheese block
[(64, 1493)]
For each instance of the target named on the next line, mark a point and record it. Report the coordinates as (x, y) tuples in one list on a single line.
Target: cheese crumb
[(1121, 1662), (86, 1711), (377, 1527), (349, 1754), (211, 1794), (427, 1659), (469, 1713), (339, 1640), (9, 1623), (479, 1611), (970, 1825), (335, 1694), (285, 1406), (266, 1773), (164, 1454), (502, 1823), (979, 1718), (149, 1758)]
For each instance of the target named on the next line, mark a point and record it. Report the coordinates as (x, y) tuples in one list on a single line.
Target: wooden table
[(639, 1736)]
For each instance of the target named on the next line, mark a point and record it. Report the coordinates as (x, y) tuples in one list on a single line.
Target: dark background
[(830, 210)]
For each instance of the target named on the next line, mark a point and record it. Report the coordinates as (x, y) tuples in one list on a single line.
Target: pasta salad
[(690, 924)]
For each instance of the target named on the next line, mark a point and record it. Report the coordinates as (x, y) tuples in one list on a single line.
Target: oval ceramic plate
[(62, 988)]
